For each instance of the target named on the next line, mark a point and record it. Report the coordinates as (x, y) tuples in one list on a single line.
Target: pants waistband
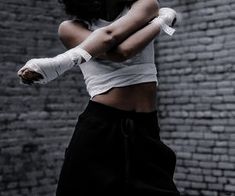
[(103, 110)]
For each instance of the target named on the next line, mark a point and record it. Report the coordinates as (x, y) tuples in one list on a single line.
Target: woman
[(115, 148)]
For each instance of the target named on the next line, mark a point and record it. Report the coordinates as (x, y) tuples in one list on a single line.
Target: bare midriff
[(138, 97)]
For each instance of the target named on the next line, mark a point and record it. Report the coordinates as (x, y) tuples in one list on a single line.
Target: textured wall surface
[(196, 98), (36, 121)]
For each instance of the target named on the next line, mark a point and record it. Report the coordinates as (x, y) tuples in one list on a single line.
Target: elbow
[(153, 8), (106, 35), (158, 5), (123, 54)]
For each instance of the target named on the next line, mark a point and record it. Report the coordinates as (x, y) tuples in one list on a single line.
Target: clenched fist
[(28, 77)]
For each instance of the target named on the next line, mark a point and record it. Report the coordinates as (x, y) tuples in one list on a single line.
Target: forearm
[(72, 33), (103, 39), (133, 44)]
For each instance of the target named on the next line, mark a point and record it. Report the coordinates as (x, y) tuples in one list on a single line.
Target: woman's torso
[(140, 96)]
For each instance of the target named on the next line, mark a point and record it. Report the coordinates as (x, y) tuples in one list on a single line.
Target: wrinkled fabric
[(114, 152)]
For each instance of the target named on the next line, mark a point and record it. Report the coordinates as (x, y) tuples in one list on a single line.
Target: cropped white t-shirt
[(103, 75)]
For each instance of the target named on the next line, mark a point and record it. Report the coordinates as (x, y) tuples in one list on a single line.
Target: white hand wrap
[(51, 68), (165, 20)]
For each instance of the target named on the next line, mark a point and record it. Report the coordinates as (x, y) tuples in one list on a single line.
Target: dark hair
[(94, 9)]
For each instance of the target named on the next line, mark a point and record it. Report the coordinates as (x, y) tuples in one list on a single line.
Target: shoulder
[(72, 32), (67, 27)]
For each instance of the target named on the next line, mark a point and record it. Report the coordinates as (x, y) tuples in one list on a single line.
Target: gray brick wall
[(196, 98), (36, 121)]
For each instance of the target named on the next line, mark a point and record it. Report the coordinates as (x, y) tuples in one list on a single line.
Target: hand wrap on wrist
[(165, 20), (51, 68)]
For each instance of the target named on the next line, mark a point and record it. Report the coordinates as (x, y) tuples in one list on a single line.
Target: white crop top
[(102, 75)]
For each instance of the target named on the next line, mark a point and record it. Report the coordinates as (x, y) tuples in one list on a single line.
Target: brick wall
[(36, 121), (196, 98)]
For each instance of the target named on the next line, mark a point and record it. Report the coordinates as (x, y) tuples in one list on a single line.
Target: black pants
[(114, 152)]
